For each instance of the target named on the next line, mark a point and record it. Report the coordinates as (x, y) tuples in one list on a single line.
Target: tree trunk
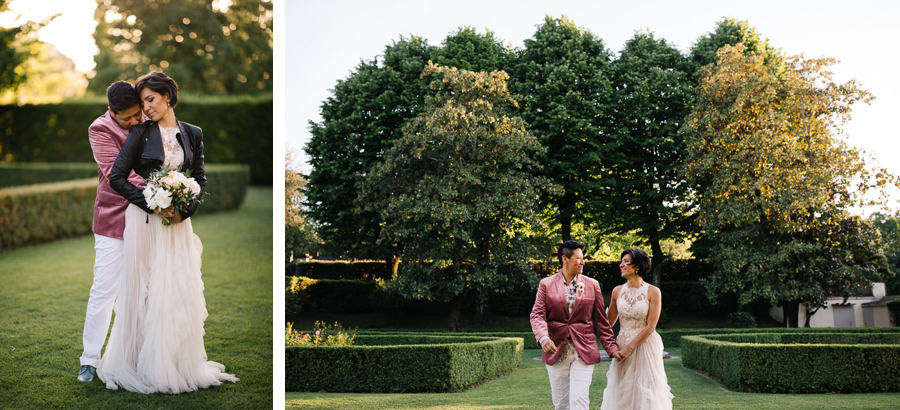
[(566, 223), (395, 265), (791, 312), (809, 316), (479, 306), (655, 260), (453, 326)]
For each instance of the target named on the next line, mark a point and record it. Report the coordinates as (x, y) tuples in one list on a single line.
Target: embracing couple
[(147, 260), (569, 317)]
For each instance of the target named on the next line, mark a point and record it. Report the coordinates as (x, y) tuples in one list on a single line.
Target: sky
[(326, 40), (71, 32)]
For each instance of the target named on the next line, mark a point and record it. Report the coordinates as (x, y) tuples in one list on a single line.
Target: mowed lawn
[(44, 294), (529, 388)]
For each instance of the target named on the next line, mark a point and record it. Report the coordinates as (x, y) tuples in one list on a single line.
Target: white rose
[(148, 195), (194, 186), (163, 199), (180, 178)]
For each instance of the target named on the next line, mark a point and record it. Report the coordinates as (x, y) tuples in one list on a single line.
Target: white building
[(868, 309)]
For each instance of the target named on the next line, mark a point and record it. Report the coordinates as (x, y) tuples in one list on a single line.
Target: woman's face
[(627, 267), (154, 104)]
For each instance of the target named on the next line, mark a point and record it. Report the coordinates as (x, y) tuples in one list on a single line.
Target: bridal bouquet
[(167, 188)]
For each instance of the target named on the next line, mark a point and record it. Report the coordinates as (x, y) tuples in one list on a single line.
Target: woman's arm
[(613, 313), (198, 172), (655, 297), (118, 176)]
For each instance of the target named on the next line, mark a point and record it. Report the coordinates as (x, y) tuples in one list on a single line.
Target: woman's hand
[(169, 215), (624, 353)]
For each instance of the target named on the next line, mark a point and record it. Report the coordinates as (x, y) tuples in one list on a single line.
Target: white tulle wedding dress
[(156, 343), (640, 383)]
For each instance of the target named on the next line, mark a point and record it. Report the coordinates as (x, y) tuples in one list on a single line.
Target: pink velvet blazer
[(106, 137), (585, 325)]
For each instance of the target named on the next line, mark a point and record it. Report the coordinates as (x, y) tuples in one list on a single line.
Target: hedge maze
[(402, 363), (799, 362)]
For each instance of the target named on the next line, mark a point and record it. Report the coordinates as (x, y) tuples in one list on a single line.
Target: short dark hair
[(159, 83), (121, 95), (640, 259), (567, 248)]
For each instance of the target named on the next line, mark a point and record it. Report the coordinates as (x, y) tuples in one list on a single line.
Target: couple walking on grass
[(147, 261), (569, 317)]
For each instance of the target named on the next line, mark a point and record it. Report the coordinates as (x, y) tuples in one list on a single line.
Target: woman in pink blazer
[(567, 319)]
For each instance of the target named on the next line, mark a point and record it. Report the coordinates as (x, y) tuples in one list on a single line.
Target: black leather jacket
[(143, 152)]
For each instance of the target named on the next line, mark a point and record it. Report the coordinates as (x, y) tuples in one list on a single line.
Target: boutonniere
[(579, 288)]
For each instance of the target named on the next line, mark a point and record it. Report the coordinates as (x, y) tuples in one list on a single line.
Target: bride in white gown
[(638, 381), (156, 343)]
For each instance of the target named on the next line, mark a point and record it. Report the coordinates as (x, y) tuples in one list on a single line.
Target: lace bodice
[(174, 153), (633, 307)]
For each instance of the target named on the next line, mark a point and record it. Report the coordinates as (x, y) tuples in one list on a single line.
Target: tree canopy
[(205, 49), (649, 195), (360, 122), (563, 75), (455, 190), (780, 181)]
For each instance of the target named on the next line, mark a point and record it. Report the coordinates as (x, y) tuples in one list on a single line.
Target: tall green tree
[(455, 189), (361, 120), (889, 227), (205, 49), (563, 74), (653, 95), (18, 45), (731, 32), (781, 182), (299, 234)]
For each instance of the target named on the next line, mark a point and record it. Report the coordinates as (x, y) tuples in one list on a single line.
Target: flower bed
[(401, 363), (798, 362)]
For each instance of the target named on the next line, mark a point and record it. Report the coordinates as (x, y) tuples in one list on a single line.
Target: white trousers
[(570, 382), (107, 267)]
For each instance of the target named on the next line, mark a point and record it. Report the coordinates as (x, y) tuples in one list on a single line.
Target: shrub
[(235, 130), (741, 320), (20, 174), (894, 307), (681, 297), (401, 364), (798, 362), (674, 337), (42, 213), (308, 295), (331, 335)]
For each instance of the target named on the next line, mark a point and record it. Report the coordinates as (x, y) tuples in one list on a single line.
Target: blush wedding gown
[(156, 343), (640, 383)]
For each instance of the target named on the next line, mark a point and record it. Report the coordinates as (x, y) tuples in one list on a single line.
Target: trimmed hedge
[(607, 272), (304, 295), (526, 335), (681, 297), (350, 270), (798, 362), (20, 174), (401, 364), (41, 213), (673, 337), (235, 130)]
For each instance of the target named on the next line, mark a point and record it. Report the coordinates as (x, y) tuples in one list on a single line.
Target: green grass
[(529, 388), (44, 293)]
